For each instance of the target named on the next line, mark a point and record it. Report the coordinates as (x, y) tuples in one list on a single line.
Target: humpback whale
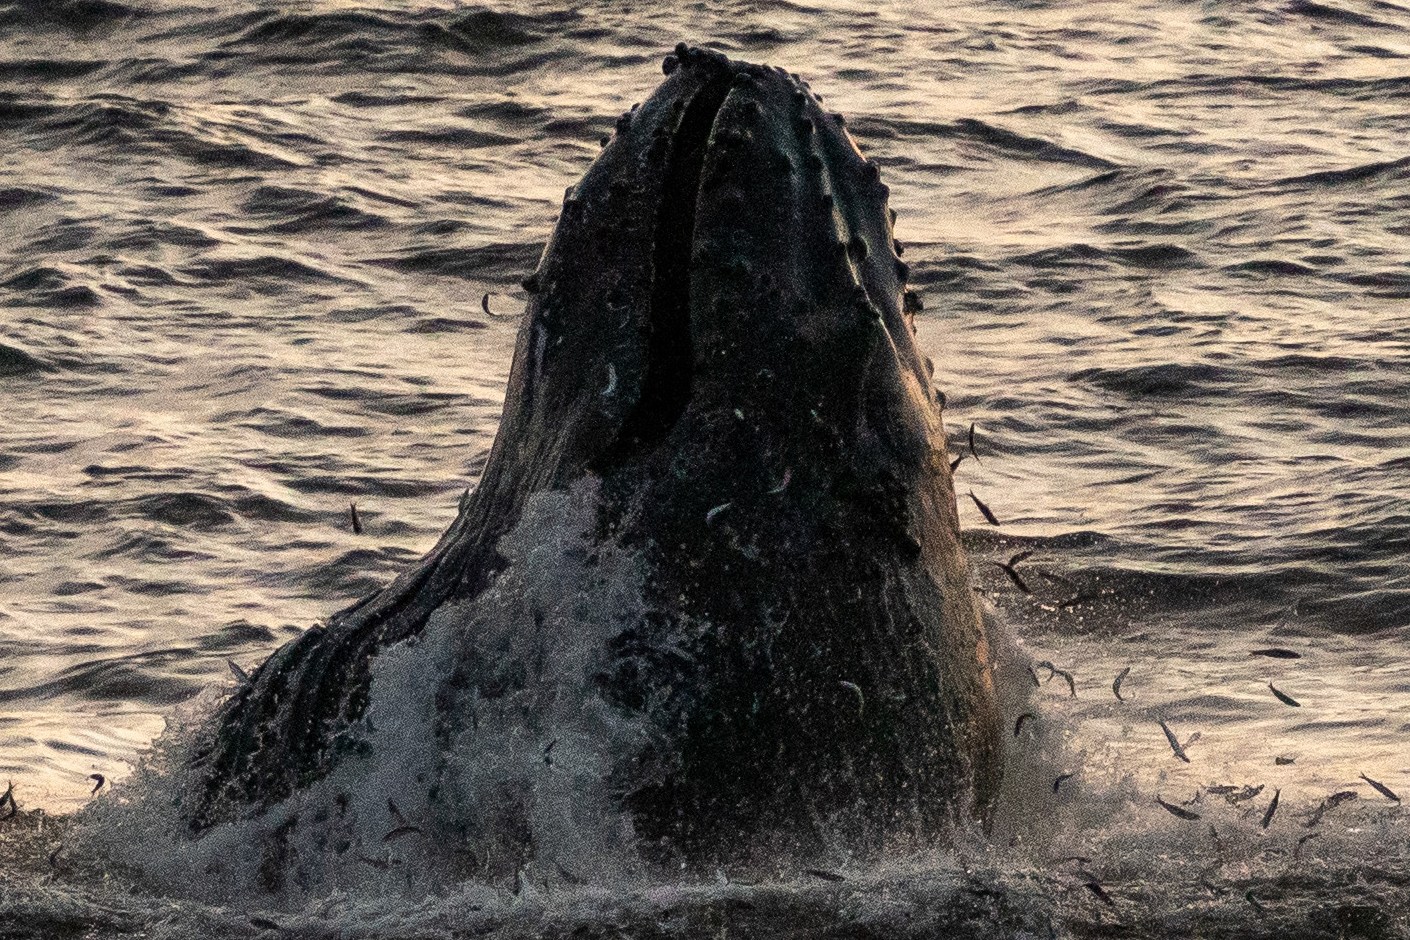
[(719, 351)]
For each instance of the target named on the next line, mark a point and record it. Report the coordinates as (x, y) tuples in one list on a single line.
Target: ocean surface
[(259, 261)]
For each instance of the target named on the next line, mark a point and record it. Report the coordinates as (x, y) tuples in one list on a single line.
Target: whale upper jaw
[(718, 331)]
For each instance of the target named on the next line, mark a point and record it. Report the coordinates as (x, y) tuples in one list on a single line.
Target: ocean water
[(1164, 249)]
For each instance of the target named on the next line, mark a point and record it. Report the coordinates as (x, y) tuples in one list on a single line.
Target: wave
[(51, 288), (1390, 170), (385, 39), (126, 124), (48, 70), (445, 325), (279, 423), (1140, 256), (499, 261), (461, 137), (1164, 380), (267, 272), (21, 197), (296, 211), (15, 362), (152, 678), (990, 135), (1331, 14), (1201, 85), (77, 15)]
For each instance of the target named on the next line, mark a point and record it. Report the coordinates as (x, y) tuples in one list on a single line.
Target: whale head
[(719, 336)]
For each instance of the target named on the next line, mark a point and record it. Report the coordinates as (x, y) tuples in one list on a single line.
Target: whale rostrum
[(718, 338)]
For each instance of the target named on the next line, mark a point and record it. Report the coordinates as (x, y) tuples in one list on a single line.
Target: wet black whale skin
[(718, 331)]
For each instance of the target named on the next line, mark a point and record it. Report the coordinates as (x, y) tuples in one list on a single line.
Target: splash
[(488, 750)]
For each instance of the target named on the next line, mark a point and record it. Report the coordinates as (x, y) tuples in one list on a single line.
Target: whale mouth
[(666, 386)]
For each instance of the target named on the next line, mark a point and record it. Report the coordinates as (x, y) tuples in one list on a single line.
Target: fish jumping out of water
[(728, 261)]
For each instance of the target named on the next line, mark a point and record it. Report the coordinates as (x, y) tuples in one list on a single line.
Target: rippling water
[(1164, 249)]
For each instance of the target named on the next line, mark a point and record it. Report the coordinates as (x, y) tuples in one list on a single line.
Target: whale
[(719, 359)]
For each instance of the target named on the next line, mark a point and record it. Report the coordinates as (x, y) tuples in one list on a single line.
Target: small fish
[(1284, 697), (954, 464), (54, 855), (1116, 686), (972, 452), (377, 863), (1018, 725), (1071, 682), (1176, 810), (1174, 742), (1330, 803), (1095, 887), (1382, 789), (400, 831), (1297, 849), (356, 522), (787, 476), (548, 752), (1275, 652), (1222, 789), (485, 305), (264, 923), (240, 674), (857, 691), (1008, 569), (1060, 778), (710, 516), (611, 380), (1284, 761), (1247, 793), (1248, 896), (824, 874), (988, 514), (1078, 859), (1272, 808), (396, 813), (99, 784)]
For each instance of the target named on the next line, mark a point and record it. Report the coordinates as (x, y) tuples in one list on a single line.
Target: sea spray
[(487, 752)]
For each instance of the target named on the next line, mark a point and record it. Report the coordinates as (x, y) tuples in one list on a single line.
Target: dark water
[(1165, 253)]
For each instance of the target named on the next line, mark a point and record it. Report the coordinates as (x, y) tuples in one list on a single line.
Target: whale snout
[(753, 258)]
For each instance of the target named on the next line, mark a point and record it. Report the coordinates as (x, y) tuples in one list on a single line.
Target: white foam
[(487, 749)]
